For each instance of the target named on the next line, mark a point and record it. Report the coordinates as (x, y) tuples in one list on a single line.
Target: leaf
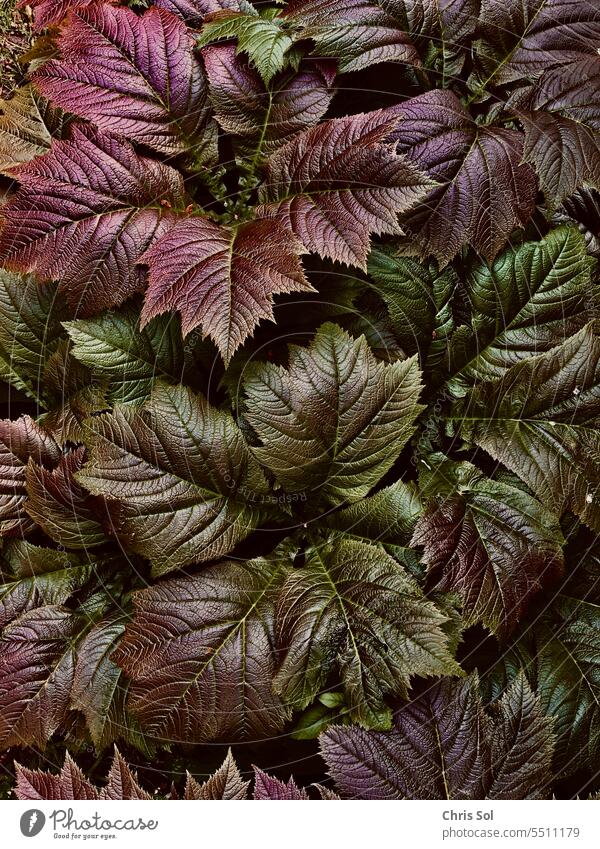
[(84, 214), (353, 609), (194, 11), (201, 654), (265, 118), (494, 544), (222, 279), (566, 675), (387, 516), (268, 788), (46, 13), (541, 421), (27, 125), (225, 783), (418, 297), (339, 182), (38, 576), (132, 75), (36, 675), (530, 299), (99, 686), (583, 209), (60, 506), (485, 191), (358, 33), (259, 35), (129, 358), (335, 421), (443, 746), (122, 783), (21, 440), (522, 39), (30, 326), (70, 783), (560, 114), (181, 482)]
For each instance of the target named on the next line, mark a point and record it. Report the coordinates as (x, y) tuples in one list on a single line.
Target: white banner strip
[(302, 825)]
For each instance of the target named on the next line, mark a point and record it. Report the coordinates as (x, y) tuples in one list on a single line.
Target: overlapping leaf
[(132, 75), (444, 746), (84, 213), (222, 279), (541, 421), (334, 422), (27, 125), (179, 477), (201, 654), (493, 543), (485, 192), (352, 608), (339, 182), (530, 299)]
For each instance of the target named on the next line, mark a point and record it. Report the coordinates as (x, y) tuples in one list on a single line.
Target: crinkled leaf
[(30, 317), (122, 782), (485, 191), (222, 279), (353, 609), (418, 297), (20, 441), (337, 183), (493, 543), (128, 357), (84, 214), (444, 746), (388, 516), (133, 75), (194, 11), (264, 118), (530, 299), (336, 420), (359, 33), (70, 783), (27, 125), (201, 654), (179, 477), (47, 13), (260, 36), (225, 783), (60, 506), (541, 421), (268, 788)]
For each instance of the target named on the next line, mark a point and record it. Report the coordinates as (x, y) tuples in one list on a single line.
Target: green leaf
[(129, 358), (335, 421), (530, 299), (354, 610), (259, 35), (541, 420), (494, 544), (180, 480)]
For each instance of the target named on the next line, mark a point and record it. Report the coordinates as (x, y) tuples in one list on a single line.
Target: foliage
[(303, 436)]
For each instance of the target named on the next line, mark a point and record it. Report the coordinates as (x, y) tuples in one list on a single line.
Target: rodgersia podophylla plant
[(299, 328)]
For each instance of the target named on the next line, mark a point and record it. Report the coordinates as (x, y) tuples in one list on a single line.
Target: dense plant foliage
[(299, 312)]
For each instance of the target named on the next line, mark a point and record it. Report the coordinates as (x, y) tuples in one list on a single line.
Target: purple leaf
[(222, 279), (486, 191), (193, 12), (268, 788), (70, 783), (47, 13), (225, 784), (84, 213), (337, 183), (136, 76)]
